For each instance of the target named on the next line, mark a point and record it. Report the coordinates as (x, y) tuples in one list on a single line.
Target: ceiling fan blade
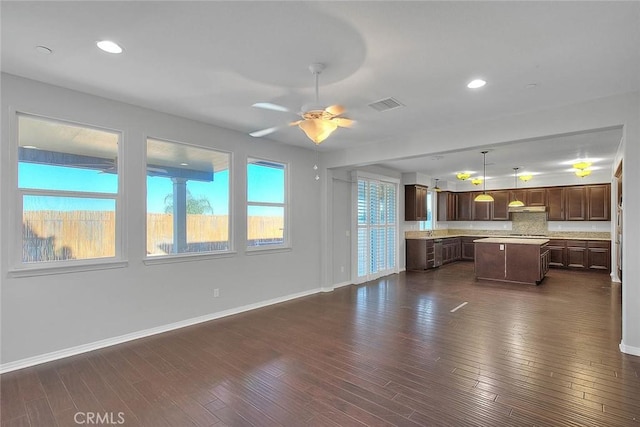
[(335, 110), (343, 122), (264, 132), (270, 106), (296, 123)]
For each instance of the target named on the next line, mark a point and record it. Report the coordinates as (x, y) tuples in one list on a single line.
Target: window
[(187, 199), (68, 191), (376, 228), (267, 209), (428, 224)]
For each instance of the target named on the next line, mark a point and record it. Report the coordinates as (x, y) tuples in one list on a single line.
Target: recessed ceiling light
[(44, 49), (531, 86), (29, 146), (109, 46), (184, 164), (475, 84)]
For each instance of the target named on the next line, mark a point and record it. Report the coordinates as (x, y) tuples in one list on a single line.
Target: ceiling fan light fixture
[(476, 181), (463, 176), (525, 178), (317, 130)]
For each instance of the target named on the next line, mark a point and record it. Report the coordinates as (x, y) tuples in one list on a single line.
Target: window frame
[(189, 256), (286, 205), (17, 266), (433, 195)]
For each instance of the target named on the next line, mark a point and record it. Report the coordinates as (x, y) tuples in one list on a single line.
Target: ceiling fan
[(318, 122)]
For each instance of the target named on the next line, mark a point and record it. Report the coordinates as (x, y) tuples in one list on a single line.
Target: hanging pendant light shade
[(436, 188), (515, 203), (484, 197)]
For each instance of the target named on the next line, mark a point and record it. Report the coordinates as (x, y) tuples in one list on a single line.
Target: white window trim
[(189, 256), (18, 268), (286, 246)]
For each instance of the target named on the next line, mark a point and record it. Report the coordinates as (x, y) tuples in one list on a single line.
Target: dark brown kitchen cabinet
[(467, 248), (450, 250), (598, 202), (575, 203), (557, 253), (555, 204), (594, 255), (536, 197), (577, 255), (500, 205), (419, 254), (481, 210), (446, 206), (415, 203), (464, 205), (519, 194), (599, 255)]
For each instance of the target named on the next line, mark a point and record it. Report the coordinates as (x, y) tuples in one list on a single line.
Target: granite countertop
[(507, 236), (513, 240)]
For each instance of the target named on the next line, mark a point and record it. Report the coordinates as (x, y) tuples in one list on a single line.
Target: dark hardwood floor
[(389, 352)]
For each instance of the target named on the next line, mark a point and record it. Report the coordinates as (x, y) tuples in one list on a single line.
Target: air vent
[(386, 104)]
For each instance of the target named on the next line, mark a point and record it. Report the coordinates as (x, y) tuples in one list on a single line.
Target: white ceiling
[(210, 61)]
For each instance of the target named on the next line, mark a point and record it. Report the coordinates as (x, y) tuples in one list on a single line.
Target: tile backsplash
[(529, 223)]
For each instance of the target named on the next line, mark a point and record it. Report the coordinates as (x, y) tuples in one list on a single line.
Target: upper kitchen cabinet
[(464, 204), (519, 194), (415, 203), (500, 205), (598, 202), (446, 206), (575, 203), (588, 203), (481, 210), (555, 203), (536, 197)]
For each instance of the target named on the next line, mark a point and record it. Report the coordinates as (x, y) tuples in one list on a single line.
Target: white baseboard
[(340, 285), (635, 351), (336, 286), (60, 354)]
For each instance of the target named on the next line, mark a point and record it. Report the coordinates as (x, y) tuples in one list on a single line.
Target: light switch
[(502, 247)]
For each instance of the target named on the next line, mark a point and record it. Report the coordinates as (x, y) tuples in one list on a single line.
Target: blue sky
[(266, 185)]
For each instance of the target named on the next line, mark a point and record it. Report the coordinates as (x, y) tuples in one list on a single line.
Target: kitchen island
[(517, 260)]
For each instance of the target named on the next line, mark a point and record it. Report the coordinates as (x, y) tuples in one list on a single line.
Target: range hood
[(527, 209)]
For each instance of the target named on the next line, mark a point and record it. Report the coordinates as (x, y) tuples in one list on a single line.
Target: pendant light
[(515, 203), (436, 188), (484, 197)]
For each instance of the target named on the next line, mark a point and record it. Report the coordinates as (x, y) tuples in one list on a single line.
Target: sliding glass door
[(376, 228)]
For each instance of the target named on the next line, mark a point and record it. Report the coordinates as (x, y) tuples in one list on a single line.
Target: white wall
[(50, 313), (620, 110)]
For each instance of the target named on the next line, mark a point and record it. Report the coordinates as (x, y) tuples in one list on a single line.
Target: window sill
[(64, 269), (168, 259), (266, 250)]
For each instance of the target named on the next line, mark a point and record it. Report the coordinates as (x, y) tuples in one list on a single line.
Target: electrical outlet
[(216, 292)]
